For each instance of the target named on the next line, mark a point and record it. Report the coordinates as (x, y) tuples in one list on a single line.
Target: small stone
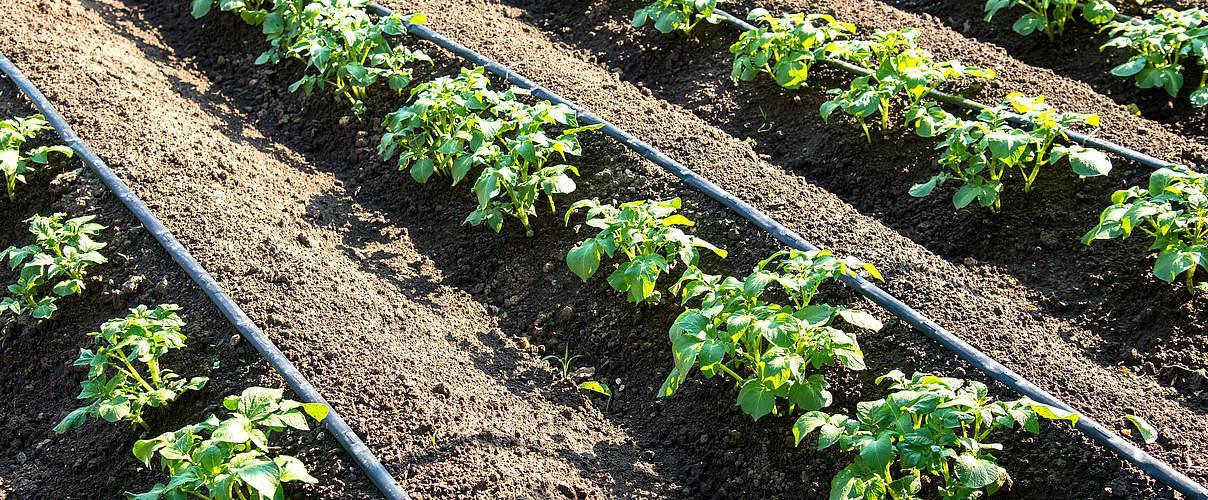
[(345, 120), (583, 373), (132, 285), (970, 261), (21, 458), (565, 314), (565, 489), (161, 289)]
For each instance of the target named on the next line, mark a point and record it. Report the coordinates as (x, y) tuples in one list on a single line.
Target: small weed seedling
[(1173, 210), (928, 426), (118, 389), (564, 360), (225, 459), (646, 233), (61, 257), (670, 15), (14, 164)]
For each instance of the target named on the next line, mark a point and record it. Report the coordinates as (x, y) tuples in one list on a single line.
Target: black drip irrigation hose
[(336, 425), (1154, 467), (1078, 137)]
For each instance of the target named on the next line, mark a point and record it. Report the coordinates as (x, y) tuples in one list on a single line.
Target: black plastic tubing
[(347, 438), (1154, 467), (1078, 137)]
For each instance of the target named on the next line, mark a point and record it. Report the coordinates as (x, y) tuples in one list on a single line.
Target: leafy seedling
[(785, 48), (768, 349), (670, 15), (231, 458), (1173, 210), (14, 163), (647, 233), (60, 258), (1160, 45), (120, 390), (928, 427)]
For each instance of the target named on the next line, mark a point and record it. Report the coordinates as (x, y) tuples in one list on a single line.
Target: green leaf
[(1088, 162), (879, 452), (232, 430), (1029, 23), (201, 8), (807, 423), (317, 411), (1148, 432), (584, 260), (755, 400), (976, 473), (262, 475), (1171, 263), (293, 469), (848, 484), (600, 387), (1130, 68), (76, 418)]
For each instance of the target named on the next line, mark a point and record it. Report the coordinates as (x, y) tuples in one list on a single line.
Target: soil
[(428, 336)]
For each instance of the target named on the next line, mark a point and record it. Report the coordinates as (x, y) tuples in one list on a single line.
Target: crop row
[(215, 458), (981, 153), (1159, 45), (763, 330)]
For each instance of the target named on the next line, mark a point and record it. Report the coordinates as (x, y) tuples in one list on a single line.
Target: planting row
[(216, 458), (762, 330), (982, 152), (1159, 46)]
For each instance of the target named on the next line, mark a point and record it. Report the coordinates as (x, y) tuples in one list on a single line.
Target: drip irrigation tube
[(1154, 467), (336, 425), (1078, 137)]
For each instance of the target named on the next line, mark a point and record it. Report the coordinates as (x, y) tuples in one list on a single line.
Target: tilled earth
[(428, 336)]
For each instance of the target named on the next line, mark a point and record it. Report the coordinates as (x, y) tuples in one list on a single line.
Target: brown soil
[(415, 327)]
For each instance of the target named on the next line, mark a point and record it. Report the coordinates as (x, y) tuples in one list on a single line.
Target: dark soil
[(427, 336)]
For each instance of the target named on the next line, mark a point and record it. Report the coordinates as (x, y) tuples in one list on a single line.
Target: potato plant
[(1173, 210), (61, 256), (120, 390), (444, 131), (336, 39), (928, 427), (512, 182), (646, 233), (1160, 46), (768, 349), (1050, 16), (670, 15), (982, 152), (898, 66), (231, 458), (13, 134), (786, 48)]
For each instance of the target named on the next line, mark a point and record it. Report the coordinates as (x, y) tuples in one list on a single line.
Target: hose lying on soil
[(1154, 467), (1078, 137), (336, 425)]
